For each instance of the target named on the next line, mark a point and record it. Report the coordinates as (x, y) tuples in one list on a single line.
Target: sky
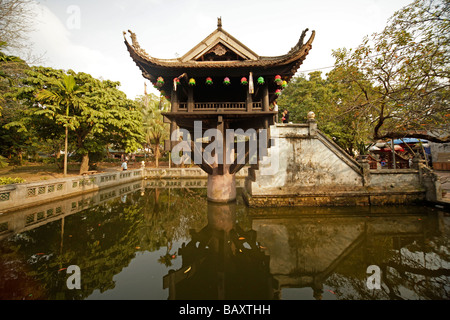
[(87, 35)]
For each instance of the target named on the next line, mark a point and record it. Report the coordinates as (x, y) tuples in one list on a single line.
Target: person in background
[(285, 117), (125, 165)]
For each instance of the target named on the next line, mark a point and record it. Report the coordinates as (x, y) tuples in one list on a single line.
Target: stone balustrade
[(21, 195)]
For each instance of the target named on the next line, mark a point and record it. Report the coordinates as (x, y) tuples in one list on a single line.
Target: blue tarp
[(413, 140), (409, 140)]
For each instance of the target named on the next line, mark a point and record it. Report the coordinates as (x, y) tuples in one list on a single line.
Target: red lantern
[(159, 82), (278, 79)]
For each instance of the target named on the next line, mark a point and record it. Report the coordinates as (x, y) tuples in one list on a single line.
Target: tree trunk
[(84, 163), (66, 151), (157, 155)]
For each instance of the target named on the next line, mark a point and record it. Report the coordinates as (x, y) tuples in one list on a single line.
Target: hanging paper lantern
[(209, 81), (278, 92), (244, 81), (159, 82), (260, 80), (226, 81), (192, 82), (278, 79), (176, 80), (284, 84)]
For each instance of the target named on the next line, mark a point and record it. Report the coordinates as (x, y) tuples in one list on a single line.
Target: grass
[(37, 171)]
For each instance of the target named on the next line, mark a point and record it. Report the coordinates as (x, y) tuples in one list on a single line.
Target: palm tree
[(65, 93), (155, 129)]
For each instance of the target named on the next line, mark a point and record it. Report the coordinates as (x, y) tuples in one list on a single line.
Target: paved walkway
[(444, 176)]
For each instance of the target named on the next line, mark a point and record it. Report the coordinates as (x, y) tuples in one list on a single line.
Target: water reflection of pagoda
[(312, 253), (221, 261), (225, 85), (312, 256)]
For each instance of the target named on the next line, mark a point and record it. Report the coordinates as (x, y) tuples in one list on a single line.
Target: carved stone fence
[(21, 195)]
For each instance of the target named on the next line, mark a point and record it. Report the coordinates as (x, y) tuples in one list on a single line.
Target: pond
[(142, 242)]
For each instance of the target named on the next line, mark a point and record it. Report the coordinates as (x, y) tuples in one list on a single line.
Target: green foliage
[(403, 73), (3, 162), (155, 130), (95, 111), (9, 180), (328, 99), (13, 143), (395, 84)]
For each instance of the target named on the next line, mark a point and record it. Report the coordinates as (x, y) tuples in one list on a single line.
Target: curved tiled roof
[(292, 59)]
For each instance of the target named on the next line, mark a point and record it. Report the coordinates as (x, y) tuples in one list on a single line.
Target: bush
[(3, 162), (9, 180)]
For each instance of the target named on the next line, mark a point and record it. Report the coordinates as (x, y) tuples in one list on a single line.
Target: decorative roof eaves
[(296, 55)]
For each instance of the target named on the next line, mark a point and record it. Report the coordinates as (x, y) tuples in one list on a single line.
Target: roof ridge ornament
[(136, 44), (219, 22), (300, 42)]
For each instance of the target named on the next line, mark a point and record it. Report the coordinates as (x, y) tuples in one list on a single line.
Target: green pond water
[(138, 242)]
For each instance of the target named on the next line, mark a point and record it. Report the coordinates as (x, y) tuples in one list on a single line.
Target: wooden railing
[(235, 106)]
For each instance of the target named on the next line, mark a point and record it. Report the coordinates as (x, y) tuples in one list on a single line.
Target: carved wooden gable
[(219, 46)]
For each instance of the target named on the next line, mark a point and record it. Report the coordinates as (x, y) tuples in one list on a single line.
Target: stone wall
[(440, 153), (305, 168)]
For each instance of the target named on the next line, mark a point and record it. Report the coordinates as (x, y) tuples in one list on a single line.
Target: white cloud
[(53, 38)]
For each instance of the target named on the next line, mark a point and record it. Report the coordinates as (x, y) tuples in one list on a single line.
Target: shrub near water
[(8, 180)]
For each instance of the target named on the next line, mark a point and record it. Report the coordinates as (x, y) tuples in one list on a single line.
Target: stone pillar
[(221, 183), (365, 170), (416, 163), (312, 130), (221, 187)]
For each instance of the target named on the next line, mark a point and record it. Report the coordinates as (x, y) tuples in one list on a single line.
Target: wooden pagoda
[(225, 85)]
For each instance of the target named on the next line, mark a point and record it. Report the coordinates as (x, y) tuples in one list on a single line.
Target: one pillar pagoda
[(221, 84)]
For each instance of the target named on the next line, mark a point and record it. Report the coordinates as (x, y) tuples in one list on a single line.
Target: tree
[(330, 99), (16, 21), (403, 73), (110, 119), (7, 64), (155, 130), (13, 142), (102, 115), (65, 95)]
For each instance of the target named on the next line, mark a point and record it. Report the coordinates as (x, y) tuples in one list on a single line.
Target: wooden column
[(190, 101), (265, 99), (249, 102), (174, 101)]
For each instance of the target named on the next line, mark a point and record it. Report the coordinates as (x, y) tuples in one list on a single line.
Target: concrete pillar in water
[(222, 187)]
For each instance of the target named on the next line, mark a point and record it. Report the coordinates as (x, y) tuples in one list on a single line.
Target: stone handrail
[(15, 196), (20, 195)]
